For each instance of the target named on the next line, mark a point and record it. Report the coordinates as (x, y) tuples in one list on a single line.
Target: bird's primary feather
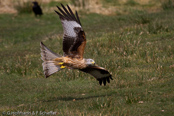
[(101, 74), (74, 36)]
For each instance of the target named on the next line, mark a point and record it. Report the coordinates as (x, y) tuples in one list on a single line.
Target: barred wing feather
[(74, 36)]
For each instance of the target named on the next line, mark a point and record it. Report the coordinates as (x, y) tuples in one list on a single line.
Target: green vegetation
[(23, 7), (131, 3), (137, 48), (168, 5)]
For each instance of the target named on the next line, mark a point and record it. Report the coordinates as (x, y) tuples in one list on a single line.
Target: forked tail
[(48, 64)]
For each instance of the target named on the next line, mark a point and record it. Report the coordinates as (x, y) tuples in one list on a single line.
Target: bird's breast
[(74, 63)]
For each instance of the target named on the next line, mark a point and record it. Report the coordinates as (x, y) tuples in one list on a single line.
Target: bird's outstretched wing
[(74, 39), (101, 74)]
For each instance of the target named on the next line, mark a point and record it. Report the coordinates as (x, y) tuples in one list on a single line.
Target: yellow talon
[(62, 66), (61, 63)]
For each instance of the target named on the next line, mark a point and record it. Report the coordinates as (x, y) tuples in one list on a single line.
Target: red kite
[(74, 41)]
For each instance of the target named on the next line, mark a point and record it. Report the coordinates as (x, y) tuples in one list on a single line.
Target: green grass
[(23, 7), (136, 48)]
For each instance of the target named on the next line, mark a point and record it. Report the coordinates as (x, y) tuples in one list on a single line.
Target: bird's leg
[(62, 66), (59, 62)]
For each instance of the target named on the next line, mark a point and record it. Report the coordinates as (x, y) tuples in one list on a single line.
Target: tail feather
[(48, 56), (49, 68)]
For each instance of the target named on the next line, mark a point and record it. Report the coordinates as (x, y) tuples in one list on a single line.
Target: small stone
[(140, 102)]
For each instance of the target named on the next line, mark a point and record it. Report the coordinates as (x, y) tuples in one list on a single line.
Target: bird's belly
[(74, 63)]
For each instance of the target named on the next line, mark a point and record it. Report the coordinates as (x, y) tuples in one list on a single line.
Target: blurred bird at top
[(37, 9)]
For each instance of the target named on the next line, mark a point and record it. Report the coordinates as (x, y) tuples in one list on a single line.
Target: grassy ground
[(137, 48)]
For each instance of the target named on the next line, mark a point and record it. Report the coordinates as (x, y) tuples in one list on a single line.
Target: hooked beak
[(93, 62)]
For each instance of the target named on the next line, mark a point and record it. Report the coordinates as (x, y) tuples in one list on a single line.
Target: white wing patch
[(69, 26)]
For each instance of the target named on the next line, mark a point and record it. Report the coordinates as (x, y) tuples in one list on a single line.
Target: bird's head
[(90, 62), (35, 3)]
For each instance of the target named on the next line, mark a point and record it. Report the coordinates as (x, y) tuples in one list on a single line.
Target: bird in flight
[(74, 41)]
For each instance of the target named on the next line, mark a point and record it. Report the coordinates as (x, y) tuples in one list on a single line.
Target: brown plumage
[(74, 42)]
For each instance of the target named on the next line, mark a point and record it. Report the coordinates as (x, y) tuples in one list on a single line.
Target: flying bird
[(74, 41), (37, 9)]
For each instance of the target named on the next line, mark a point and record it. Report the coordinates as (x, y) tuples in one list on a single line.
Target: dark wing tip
[(102, 75), (100, 82), (78, 19), (57, 12), (66, 13), (104, 80), (62, 5), (60, 15)]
